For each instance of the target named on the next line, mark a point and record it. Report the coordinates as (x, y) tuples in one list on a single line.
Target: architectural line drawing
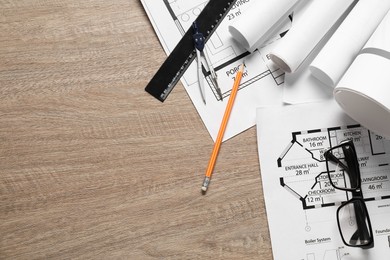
[(301, 203), (262, 84), (303, 168), (224, 53)]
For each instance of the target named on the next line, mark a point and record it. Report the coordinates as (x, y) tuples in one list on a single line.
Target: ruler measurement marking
[(183, 54)]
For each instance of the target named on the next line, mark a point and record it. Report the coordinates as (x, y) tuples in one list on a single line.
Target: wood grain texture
[(93, 167)]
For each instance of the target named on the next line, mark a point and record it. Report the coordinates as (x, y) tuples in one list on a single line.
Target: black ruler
[(184, 53)]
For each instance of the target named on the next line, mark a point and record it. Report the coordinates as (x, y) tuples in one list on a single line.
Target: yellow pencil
[(222, 129)]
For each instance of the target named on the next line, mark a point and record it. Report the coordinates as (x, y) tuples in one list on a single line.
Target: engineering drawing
[(304, 173), (224, 52)]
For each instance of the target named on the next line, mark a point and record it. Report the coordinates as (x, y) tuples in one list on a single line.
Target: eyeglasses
[(352, 216)]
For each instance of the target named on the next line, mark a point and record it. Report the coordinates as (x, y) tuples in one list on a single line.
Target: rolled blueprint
[(317, 20), (364, 93), (340, 51), (379, 42), (260, 22), (364, 90)]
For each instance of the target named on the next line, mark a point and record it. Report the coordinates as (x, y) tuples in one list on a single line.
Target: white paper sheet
[(340, 51), (261, 84), (299, 42), (301, 207), (260, 22), (301, 87)]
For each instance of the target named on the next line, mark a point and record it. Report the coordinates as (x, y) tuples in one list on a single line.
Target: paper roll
[(340, 51), (260, 22), (317, 20), (379, 42), (364, 92)]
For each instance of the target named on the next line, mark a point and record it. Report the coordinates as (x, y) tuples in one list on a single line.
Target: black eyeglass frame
[(356, 191)]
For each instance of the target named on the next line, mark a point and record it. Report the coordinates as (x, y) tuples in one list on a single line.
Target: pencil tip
[(242, 66)]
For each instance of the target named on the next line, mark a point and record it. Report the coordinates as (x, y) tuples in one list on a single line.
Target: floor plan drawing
[(223, 51), (301, 203), (306, 176), (262, 82)]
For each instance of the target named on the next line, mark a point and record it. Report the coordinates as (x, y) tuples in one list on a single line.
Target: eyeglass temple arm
[(351, 158), (362, 232)]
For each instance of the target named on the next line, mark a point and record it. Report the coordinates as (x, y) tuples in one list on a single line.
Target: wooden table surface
[(93, 167)]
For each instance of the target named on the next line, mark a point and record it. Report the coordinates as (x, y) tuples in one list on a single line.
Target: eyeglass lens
[(354, 223), (343, 167)]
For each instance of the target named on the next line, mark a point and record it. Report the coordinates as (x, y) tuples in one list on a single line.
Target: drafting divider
[(181, 57)]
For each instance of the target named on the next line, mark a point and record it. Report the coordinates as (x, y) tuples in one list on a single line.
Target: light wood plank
[(94, 167)]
